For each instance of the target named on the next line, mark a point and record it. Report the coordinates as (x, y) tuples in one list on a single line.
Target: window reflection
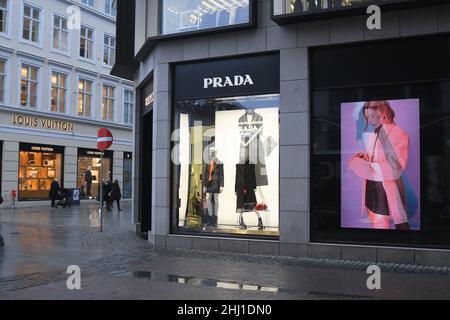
[(300, 6), (191, 15)]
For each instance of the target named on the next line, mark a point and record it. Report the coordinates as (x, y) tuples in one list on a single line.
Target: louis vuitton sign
[(41, 123)]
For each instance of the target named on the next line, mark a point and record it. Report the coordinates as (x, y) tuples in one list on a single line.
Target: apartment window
[(86, 43), (109, 50), (31, 23), (59, 89), (128, 106), (3, 15), (84, 97), (108, 103), (111, 7), (88, 2), (193, 15), (28, 86), (60, 33), (2, 79)]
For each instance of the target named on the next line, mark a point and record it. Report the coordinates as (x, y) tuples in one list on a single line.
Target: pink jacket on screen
[(390, 158)]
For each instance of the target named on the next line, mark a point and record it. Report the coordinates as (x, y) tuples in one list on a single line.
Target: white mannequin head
[(212, 152)]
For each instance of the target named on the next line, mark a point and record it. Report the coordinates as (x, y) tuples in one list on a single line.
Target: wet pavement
[(40, 243)]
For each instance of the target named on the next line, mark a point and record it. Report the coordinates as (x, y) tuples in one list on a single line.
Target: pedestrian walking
[(107, 188), (54, 192), (116, 194)]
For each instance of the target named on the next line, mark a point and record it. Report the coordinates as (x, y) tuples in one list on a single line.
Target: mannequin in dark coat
[(54, 192)]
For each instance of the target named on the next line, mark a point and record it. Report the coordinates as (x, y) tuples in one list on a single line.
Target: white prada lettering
[(235, 81)]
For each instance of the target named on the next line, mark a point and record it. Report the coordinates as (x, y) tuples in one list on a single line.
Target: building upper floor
[(33, 84), (141, 24), (79, 33)]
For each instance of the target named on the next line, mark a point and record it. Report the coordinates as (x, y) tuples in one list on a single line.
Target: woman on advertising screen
[(381, 167)]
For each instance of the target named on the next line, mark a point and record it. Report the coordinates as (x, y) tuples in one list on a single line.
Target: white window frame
[(109, 49), (92, 106), (6, 82), (7, 33), (38, 84), (67, 96), (41, 34), (110, 8), (57, 50), (92, 60), (125, 102), (114, 99)]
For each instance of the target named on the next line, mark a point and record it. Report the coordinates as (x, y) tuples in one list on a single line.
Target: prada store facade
[(272, 139), (38, 147)]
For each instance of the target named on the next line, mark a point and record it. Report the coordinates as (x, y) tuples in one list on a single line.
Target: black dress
[(245, 187), (376, 198)]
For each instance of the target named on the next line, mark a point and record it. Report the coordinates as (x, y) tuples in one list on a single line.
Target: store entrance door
[(145, 210)]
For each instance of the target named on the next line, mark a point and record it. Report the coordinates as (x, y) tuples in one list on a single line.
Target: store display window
[(227, 179), (226, 137), (88, 172), (39, 165), (380, 143)]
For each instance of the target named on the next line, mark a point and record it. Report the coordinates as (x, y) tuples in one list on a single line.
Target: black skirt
[(376, 199)]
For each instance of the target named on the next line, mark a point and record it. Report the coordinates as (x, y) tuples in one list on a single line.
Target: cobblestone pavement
[(41, 242)]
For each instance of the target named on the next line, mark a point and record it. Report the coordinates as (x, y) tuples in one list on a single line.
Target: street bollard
[(2, 243)]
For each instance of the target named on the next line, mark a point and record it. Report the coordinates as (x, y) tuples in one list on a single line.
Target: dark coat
[(107, 187), (54, 190), (245, 186), (88, 176), (115, 192), (217, 178)]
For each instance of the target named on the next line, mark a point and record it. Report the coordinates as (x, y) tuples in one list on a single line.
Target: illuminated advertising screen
[(380, 182)]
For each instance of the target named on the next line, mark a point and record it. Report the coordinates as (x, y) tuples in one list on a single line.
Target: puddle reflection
[(198, 282)]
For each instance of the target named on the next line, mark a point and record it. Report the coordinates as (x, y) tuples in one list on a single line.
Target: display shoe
[(260, 224), (261, 207), (242, 224)]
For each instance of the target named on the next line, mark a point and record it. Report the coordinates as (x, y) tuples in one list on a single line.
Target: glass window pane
[(237, 180), (191, 15), (36, 14), (26, 29), (27, 11), (24, 72), (33, 74)]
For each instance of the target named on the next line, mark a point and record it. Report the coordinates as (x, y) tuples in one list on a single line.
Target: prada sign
[(41, 123), (236, 81), (228, 78)]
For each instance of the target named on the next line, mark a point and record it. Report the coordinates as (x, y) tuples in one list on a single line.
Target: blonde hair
[(383, 108)]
